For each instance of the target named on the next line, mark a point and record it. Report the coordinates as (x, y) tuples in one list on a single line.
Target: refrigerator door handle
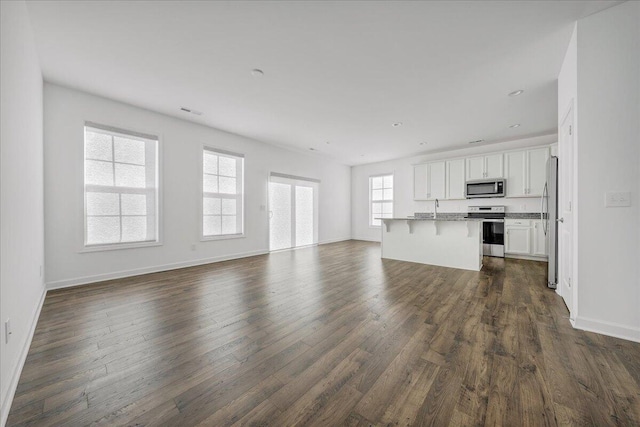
[(544, 223)]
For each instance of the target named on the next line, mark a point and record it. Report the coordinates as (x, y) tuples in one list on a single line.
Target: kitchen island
[(449, 242)]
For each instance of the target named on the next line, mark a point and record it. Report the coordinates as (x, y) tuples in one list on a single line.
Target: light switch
[(617, 199)]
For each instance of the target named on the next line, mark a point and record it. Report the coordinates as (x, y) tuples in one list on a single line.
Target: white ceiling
[(341, 72)]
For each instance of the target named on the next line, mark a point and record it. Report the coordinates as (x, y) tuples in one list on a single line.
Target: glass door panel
[(304, 215), (280, 231)]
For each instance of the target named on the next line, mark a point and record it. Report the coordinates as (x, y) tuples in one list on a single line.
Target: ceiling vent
[(189, 110)]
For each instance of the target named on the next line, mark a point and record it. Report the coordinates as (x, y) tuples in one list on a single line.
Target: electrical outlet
[(7, 330), (617, 199)]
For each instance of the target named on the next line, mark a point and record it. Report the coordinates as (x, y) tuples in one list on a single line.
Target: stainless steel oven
[(492, 228)]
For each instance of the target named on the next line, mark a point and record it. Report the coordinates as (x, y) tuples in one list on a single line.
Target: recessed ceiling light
[(397, 124), (312, 149), (257, 72), (516, 92), (517, 125), (476, 141), (327, 142), (423, 143)]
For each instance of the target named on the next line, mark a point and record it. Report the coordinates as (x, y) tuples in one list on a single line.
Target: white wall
[(568, 77), (65, 111), (608, 158), (21, 204), (404, 204)]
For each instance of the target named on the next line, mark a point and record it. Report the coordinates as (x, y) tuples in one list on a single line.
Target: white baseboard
[(366, 239), (66, 283), (528, 257), (13, 385), (607, 328), (342, 239)]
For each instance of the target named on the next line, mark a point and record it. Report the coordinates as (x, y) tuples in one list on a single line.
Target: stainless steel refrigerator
[(549, 217)]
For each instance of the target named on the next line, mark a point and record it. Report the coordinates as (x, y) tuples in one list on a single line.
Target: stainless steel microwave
[(485, 188)]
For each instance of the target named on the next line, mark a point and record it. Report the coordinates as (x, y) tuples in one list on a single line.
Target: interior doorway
[(293, 211)]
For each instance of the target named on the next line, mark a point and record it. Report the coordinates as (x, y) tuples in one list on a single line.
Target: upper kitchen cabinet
[(526, 172), (429, 181), (455, 179), (482, 167)]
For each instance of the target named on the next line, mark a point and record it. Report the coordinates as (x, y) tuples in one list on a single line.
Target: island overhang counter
[(448, 242)]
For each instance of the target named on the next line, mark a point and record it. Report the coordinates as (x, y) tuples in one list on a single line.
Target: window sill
[(223, 237), (118, 246)]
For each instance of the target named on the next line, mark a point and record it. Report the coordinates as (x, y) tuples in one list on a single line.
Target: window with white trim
[(380, 199), (222, 193), (120, 187)]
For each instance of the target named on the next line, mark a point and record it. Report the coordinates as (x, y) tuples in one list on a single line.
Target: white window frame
[(240, 197), (371, 201), (127, 133)]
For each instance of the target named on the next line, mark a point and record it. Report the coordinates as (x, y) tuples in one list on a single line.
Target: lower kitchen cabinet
[(525, 237), (517, 239), (539, 239)]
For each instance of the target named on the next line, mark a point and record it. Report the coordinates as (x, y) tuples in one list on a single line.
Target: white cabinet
[(455, 179), (429, 181), (525, 237), (515, 173), (536, 170), (475, 168), (493, 166), (539, 239), (517, 239), (435, 180), (526, 172), (481, 167), (420, 182)]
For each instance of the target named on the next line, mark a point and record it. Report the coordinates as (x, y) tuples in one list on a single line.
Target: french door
[(293, 211)]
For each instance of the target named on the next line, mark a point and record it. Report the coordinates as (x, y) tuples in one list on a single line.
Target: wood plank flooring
[(323, 336)]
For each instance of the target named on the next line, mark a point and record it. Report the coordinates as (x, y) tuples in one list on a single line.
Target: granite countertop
[(439, 218), (522, 215), (462, 216)]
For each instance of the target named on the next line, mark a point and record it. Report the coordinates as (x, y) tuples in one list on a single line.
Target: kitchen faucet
[(436, 205)]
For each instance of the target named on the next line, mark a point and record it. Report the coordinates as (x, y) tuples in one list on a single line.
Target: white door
[(293, 212), (565, 212)]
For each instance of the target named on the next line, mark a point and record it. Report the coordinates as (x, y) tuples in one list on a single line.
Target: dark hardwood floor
[(325, 336)]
